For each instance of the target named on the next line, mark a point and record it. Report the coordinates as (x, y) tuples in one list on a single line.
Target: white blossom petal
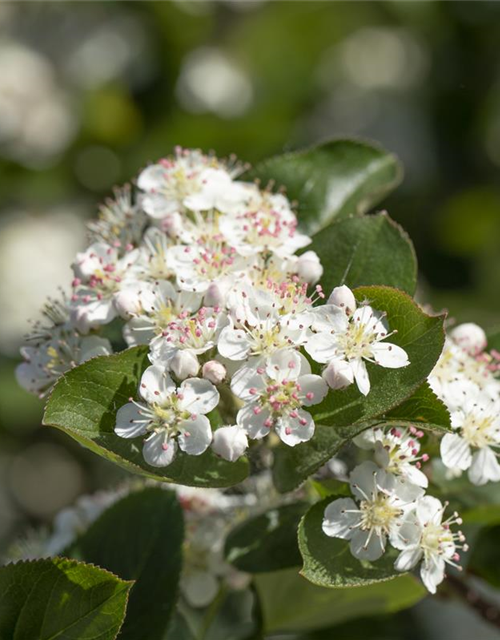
[(484, 467), (233, 343), (159, 451), (361, 376), (198, 395), (339, 524), (455, 452), (366, 545), (313, 388), (293, 431), (389, 355), (130, 422), (156, 385), (196, 435), (252, 422)]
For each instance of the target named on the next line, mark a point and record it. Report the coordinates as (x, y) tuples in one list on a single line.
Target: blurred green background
[(90, 92)]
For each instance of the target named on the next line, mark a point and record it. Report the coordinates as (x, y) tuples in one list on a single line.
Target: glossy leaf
[(291, 603), (366, 250), (334, 180), (328, 562), (140, 538), (84, 403), (267, 542), (59, 598)]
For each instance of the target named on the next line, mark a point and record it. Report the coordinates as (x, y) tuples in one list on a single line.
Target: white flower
[(196, 334), (457, 371), (152, 264), (230, 443), (353, 340), (397, 451), (172, 185), (55, 347), (99, 276), (200, 265), (120, 220), (262, 222), (157, 306), (257, 329), (470, 337), (170, 416), (275, 396), (476, 437), (424, 537), (378, 515)]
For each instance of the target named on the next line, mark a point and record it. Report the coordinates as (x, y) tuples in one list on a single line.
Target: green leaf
[(140, 538), (422, 337), (333, 180), (84, 403), (290, 603), (484, 559), (293, 465), (424, 409), (493, 336), (59, 598), (328, 562), (267, 542), (366, 251)]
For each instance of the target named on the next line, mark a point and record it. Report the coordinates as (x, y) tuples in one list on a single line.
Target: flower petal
[(252, 422), (244, 379), (389, 355), (363, 479), (361, 376), (367, 547), (293, 431), (233, 343), (158, 450), (156, 385), (283, 364), (130, 421), (408, 559), (322, 347), (314, 387), (432, 573), (455, 452), (429, 510), (196, 436), (198, 395), (484, 467), (339, 524)]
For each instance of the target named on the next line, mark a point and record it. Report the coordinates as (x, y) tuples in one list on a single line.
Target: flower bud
[(214, 371), (344, 298), (127, 301), (172, 224), (215, 295), (184, 364), (470, 337), (309, 267), (230, 443), (338, 374)]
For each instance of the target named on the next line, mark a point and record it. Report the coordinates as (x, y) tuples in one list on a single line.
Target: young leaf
[(328, 562), (365, 251), (84, 403), (333, 180), (140, 538), (293, 465), (422, 337), (59, 598), (290, 603), (267, 542)]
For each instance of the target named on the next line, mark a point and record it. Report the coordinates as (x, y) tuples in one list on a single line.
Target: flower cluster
[(465, 380), (389, 505), (201, 266)]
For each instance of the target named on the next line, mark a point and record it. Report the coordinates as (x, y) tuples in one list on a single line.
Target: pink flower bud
[(470, 337), (230, 443), (184, 364), (344, 298), (214, 371), (309, 267), (215, 296), (338, 374)]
